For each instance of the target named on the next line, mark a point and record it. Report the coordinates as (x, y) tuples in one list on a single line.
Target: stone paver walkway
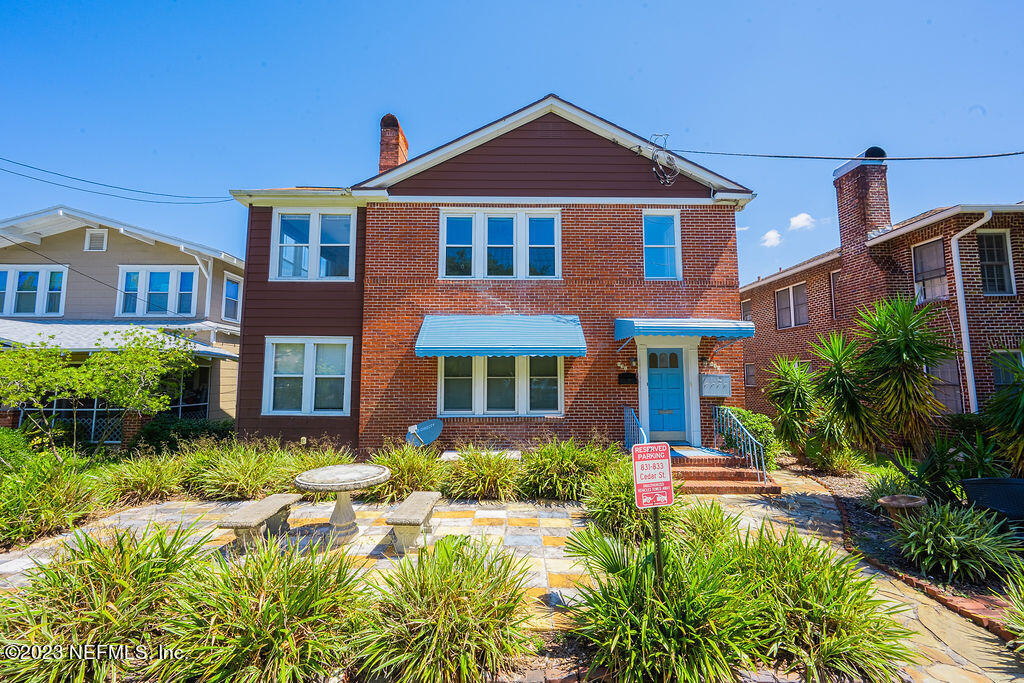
[(956, 649)]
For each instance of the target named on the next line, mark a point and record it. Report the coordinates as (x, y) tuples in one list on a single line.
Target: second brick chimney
[(862, 198), (394, 149)]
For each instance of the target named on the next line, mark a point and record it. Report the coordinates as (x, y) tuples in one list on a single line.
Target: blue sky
[(199, 97)]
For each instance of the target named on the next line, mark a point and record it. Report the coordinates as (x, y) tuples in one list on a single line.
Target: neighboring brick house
[(967, 260), (70, 276), (532, 276)]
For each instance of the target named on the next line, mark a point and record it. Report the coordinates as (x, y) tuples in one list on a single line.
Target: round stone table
[(342, 479)]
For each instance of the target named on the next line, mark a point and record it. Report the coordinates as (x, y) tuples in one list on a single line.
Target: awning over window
[(501, 335), (626, 328)]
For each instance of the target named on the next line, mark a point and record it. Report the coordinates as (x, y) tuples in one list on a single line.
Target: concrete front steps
[(718, 474)]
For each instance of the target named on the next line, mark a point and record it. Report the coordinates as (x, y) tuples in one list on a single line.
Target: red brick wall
[(602, 278)]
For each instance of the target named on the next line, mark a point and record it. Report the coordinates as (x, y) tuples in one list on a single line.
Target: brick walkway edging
[(965, 607)]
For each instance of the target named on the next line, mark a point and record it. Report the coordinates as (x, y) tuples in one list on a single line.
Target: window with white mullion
[(307, 376), (929, 262), (33, 290), (791, 306), (157, 291), (496, 244), (500, 385), (996, 264), (313, 244), (661, 240), (500, 236)]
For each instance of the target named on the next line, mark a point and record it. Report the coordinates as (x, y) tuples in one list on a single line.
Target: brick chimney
[(862, 198), (394, 149)]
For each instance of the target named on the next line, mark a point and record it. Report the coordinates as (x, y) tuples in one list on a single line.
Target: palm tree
[(901, 343), (790, 390), (840, 388), (1005, 414)]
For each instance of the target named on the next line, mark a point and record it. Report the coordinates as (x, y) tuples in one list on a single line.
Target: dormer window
[(95, 239)]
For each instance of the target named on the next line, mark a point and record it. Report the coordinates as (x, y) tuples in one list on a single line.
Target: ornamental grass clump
[(453, 614), (113, 590), (281, 614), (888, 481), (704, 524), (611, 505), (141, 479), (957, 543), (841, 462), (482, 474), (1014, 584), (562, 470), (48, 493), (413, 468), (232, 469)]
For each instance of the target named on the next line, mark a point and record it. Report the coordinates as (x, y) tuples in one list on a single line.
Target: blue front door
[(666, 406)]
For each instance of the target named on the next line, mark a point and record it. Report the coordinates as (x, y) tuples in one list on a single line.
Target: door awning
[(501, 335), (625, 328)]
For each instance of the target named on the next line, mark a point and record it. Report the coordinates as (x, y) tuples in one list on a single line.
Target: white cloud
[(743, 228), (801, 221), (772, 238)]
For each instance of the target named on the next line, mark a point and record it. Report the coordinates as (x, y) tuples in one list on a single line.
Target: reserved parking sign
[(652, 475)]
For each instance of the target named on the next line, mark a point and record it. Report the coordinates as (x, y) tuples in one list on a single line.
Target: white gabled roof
[(723, 187), (31, 227), (85, 335)]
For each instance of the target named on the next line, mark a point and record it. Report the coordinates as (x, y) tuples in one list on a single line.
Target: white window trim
[(792, 306), (224, 297), (312, 274), (42, 291), (751, 302), (521, 246), (913, 270), (89, 232), (480, 391), (1009, 255), (143, 293), (308, 376), (749, 365), (832, 291), (678, 243)]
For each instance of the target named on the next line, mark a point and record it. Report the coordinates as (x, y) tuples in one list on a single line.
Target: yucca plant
[(413, 468), (1005, 413), (790, 390), (901, 342), (284, 615), (839, 387), (452, 614), (482, 474), (562, 470)]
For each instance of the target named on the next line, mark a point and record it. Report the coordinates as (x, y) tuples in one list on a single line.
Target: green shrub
[(110, 591), (761, 428), (482, 474), (49, 493), (562, 470), (281, 615), (232, 469), (413, 468), (956, 542), (611, 505), (888, 481), (841, 462), (965, 425), (14, 450), (1015, 596), (168, 433), (704, 524), (452, 614), (141, 479)]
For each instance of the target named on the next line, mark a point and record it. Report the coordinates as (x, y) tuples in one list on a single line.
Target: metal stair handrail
[(734, 436), (634, 431)]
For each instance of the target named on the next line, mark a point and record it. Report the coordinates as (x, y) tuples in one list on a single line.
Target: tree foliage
[(1005, 413), (790, 391)]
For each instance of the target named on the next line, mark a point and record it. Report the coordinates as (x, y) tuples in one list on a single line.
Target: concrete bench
[(271, 512), (408, 518)]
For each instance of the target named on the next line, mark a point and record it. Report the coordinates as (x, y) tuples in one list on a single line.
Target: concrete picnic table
[(342, 479)]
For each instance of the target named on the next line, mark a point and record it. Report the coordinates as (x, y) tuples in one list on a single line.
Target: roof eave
[(943, 215)]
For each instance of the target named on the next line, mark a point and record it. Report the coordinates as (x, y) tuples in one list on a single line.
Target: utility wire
[(113, 187), (831, 158), (111, 194)]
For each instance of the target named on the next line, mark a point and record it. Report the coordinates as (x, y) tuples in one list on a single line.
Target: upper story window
[(307, 376), (232, 307), (500, 244), (313, 244), (662, 259), (791, 306), (500, 385), (833, 283), (946, 384), (996, 263), (930, 271), (746, 310), (749, 375), (33, 290), (157, 290), (95, 239)]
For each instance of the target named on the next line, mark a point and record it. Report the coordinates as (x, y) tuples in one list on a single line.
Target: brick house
[(965, 259), (532, 276)]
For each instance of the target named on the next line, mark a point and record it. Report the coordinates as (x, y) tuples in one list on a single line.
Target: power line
[(836, 158), (113, 187), (111, 194)]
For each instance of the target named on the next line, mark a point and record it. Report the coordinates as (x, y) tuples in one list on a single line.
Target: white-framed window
[(996, 261), (313, 244), (833, 283), (30, 290), (500, 385), (662, 253), (158, 291), (231, 308), (746, 310), (1001, 377), (307, 376), (95, 239), (946, 384), (929, 260), (749, 375), (505, 244), (791, 306)]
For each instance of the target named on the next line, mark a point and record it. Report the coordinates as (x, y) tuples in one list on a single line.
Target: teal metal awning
[(501, 335), (626, 328)]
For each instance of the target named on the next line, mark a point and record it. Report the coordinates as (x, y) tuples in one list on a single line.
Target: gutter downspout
[(961, 306)]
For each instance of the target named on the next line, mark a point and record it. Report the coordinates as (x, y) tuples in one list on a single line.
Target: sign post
[(652, 487)]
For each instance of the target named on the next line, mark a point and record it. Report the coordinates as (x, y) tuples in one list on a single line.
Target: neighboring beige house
[(70, 275)]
